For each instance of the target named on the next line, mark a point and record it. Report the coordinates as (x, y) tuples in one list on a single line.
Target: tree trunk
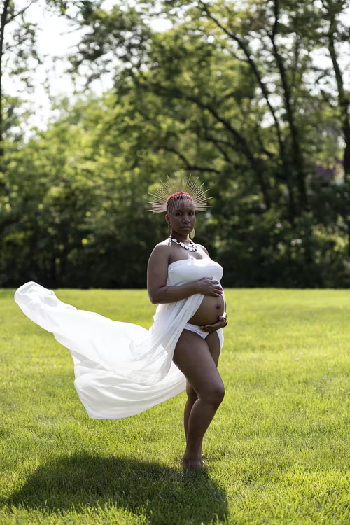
[(343, 103), (2, 31), (297, 155)]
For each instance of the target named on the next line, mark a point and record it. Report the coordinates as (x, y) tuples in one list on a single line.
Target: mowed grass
[(278, 450)]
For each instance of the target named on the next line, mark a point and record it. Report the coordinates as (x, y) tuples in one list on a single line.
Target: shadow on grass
[(162, 494)]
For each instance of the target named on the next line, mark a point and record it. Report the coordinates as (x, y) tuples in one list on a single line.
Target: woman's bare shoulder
[(162, 249), (166, 242), (162, 246)]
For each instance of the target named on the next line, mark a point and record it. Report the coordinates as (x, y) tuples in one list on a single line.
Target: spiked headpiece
[(179, 186)]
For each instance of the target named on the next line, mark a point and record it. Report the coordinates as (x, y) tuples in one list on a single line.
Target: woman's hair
[(176, 199)]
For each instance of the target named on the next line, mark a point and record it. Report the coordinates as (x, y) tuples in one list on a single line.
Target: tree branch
[(208, 138), (188, 165), (254, 68), (173, 91), (243, 144), (21, 11), (265, 92)]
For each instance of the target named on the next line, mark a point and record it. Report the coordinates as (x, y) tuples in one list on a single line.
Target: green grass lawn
[(278, 449)]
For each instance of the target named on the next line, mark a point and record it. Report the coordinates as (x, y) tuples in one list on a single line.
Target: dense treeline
[(231, 93)]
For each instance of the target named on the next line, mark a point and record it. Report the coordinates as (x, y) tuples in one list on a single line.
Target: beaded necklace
[(191, 246)]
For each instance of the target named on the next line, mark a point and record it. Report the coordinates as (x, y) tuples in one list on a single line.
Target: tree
[(227, 93), (74, 213), (222, 38), (18, 48)]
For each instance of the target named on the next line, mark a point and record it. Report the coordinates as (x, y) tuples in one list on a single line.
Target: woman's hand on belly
[(208, 286), (220, 323)]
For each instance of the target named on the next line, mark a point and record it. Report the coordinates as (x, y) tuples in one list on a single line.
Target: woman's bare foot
[(192, 462)]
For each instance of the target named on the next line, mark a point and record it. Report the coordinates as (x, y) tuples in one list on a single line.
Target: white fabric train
[(121, 369)]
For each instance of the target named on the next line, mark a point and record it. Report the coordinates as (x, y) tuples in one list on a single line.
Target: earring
[(192, 234), (169, 232)]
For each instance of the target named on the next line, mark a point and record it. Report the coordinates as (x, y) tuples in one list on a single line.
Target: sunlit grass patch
[(278, 449)]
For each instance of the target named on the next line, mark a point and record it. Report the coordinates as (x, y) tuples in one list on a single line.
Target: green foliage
[(74, 228), (251, 120), (251, 104)]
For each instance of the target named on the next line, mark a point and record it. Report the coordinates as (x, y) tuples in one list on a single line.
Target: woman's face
[(182, 219)]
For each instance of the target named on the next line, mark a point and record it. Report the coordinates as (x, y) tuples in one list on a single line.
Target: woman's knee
[(214, 395)]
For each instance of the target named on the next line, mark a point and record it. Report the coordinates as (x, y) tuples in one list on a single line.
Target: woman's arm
[(157, 276), (171, 294)]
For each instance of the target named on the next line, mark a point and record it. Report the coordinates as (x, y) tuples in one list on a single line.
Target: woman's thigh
[(213, 343), (193, 357)]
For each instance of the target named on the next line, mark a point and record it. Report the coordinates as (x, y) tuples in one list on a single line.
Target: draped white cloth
[(121, 369)]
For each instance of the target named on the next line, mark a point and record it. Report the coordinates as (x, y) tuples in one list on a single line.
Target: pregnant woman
[(198, 347), (122, 369)]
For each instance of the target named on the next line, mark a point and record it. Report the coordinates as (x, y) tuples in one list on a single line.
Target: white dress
[(121, 369)]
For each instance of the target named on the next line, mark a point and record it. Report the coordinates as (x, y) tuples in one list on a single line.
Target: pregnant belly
[(208, 311)]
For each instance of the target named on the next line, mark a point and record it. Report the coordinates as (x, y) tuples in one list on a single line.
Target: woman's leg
[(191, 399), (192, 356), (213, 343)]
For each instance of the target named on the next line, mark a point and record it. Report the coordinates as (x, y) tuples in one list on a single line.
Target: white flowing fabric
[(121, 369)]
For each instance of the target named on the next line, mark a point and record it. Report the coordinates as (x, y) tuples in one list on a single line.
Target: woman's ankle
[(193, 452)]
